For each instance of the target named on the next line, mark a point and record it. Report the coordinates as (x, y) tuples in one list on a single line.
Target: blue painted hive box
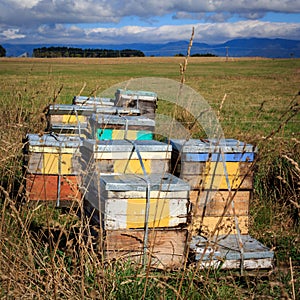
[(221, 179), (211, 164)]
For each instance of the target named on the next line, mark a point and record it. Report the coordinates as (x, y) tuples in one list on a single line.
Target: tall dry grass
[(47, 253)]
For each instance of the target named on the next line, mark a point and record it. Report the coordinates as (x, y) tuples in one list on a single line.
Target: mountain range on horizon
[(250, 47)]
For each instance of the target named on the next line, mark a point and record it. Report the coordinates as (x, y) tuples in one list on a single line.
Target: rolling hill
[(271, 48)]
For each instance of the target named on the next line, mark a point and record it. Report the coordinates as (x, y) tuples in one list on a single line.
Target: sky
[(107, 22)]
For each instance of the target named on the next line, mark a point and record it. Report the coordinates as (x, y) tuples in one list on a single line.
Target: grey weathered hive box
[(123, 156), (145, 101), (121, 201)]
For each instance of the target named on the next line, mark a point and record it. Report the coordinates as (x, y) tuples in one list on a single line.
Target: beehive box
[(221, 179), (68, 114), (231, 252), (166, 247), (74, 114), (145, 101), (112, 127), (74, 130), (52, 167), (122, 156), (120, 201), (59, 190), (214, 166)]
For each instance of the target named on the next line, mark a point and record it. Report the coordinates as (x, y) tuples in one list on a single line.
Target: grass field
[(257, 100)]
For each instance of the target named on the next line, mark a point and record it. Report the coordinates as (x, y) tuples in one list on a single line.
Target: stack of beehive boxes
[(220, 174), (103, 151), (52, 168), (48, 157), (116, 196), (124, 200)]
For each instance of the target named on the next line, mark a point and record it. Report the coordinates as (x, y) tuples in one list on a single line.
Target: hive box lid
[(115, 110), (65, 126), (126, 146), (67, 109), (211, 146), (53, 140), (224, 251), (122, 120), (145, 95), (133, 182), (98, 101)]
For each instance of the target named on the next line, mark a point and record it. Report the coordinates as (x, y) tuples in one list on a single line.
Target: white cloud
[(17, 12), (181, 15), (204, 32), (24, 3), (222, 32), (62, 21), (11, 34)]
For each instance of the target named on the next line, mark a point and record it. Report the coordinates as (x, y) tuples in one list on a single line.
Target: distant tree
[(179, 55), (2, 51), (131, 53), (203, 55)]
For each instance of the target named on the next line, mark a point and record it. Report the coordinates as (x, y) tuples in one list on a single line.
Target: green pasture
[(258, 92)]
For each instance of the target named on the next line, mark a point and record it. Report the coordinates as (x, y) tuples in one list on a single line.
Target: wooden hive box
[(69, 119), (230, 252), (71, 130), (212, 165), (145, 101), (123, 156), (166, 247), (119, 209), (221, 179), (52, 167), (69, 114), (113, 127), (120, 201), (103, 106)]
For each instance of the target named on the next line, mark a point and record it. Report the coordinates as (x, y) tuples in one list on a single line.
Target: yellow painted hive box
[(120, 201)]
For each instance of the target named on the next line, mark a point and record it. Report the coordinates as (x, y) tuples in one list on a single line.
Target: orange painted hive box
[(51, 167)]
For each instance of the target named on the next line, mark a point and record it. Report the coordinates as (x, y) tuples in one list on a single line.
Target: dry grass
[(45, 253), (128, 60)]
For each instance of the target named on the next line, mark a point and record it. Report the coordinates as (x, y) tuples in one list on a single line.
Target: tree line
[(2, 52), (78, 52), (198, 55)]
